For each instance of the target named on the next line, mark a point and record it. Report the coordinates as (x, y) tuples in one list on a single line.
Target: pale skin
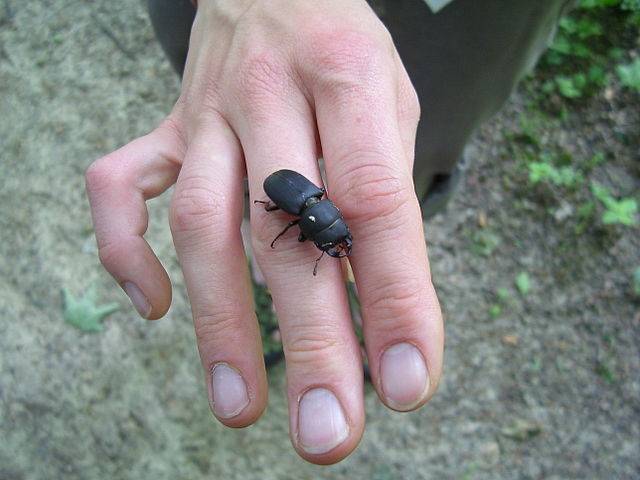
[(272, 84)]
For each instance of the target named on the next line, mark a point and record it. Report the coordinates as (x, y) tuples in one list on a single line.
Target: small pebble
[(511, 340)]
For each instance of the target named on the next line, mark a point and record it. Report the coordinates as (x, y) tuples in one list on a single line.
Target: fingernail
[(138, 299), (404, 376), (229, 392), (321, 422)]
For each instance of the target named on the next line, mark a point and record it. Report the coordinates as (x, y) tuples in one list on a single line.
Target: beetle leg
[(289, 225), (268, 205), (301, 237), (315, 268)]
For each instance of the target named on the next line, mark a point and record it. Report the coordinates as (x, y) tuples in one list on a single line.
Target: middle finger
[(276, 127)]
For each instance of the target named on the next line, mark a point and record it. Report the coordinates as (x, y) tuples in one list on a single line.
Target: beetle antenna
[(315, 268)]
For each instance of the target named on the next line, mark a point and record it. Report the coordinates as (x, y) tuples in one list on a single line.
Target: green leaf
[(585, 211), (605, 370), (597, 76), (598, 159), (485, 242), (600, 192), (523, 283), (629, 74), (495, 311), (616, 53), (586, 28), (568, 24), (568, 177), (568, 87), (561, 45), (84, 313), (622, 212), (503, 295), (581, 50), (539, 171), (544, 171)]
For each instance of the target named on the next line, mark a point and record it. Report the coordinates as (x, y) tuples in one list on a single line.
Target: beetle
[(319, 219)]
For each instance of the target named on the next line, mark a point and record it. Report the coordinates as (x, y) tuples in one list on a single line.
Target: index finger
[(369, 178)]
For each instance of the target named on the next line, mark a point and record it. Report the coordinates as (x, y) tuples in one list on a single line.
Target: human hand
[(271, 85)]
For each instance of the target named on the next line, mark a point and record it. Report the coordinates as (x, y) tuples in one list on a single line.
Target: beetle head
[(342, 249)]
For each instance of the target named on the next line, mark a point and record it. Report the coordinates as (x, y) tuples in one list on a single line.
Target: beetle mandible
[(319, 220)]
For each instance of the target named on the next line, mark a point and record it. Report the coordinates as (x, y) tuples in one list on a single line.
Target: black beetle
[(320, 220)]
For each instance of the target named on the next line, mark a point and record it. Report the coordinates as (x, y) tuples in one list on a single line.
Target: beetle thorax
[(310, 202)]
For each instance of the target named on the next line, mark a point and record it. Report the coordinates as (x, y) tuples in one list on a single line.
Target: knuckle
[(410, 103), (100, 176), (110, 255), (348, 59), (397, 299), (216, 328), (261, 78), (312, 344), (197, 101), (371, 188), (196, 206), (171, 129)]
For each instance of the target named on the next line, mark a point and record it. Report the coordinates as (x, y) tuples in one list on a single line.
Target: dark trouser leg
[(464, 62), (171, 20)]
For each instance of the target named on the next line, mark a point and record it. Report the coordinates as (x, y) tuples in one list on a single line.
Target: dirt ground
[(546, 388)]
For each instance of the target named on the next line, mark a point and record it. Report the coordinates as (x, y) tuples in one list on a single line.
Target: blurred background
[(536, 261)]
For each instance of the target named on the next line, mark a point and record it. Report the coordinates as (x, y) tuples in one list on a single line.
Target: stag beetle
[(320, 220)]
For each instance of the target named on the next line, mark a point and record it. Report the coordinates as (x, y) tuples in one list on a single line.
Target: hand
[(271, 85)]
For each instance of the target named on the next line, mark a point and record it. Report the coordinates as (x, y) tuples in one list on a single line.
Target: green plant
[(606, 371), (502, 300), (266, 319), (629, 74), (503, 295), (579, 84), (633, 7), (617, 212), (523, 283), (495, 311), (585, 216), (597, 159), (484, 242), (84, 313), (531, 124), (580, 56), (559, 176)]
